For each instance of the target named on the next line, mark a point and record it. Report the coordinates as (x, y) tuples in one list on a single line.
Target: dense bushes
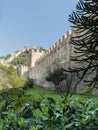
[(10, 78), (21, 112), (28, 84), (57, 76), (14, 78)]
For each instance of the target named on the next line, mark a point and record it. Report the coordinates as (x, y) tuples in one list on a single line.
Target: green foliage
[(33, 128), (28, 84), (42, 49), (25, 113), (3, 78), (14, 79), (1, 57), (22, 59), (10, 78), (7, 56), (88, 90), (2, 68), (56, 76)]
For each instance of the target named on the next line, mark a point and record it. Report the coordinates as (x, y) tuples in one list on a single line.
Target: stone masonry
[(57, 55)]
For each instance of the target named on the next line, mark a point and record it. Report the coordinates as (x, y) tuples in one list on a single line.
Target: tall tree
[(85, 41)]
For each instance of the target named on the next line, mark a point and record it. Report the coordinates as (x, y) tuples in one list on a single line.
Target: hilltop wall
[(11, 57)]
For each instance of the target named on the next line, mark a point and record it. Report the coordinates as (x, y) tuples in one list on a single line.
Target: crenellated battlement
[(54, 47), (60, 41)]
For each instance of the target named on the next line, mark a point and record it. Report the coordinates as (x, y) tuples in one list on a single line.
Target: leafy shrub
[(56, 76), (14, 78), (72, 115), (25, 113), (10, 78), (28, 84), (88, 90)]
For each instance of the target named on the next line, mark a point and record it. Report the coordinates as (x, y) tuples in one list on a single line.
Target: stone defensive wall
[(57, 55)]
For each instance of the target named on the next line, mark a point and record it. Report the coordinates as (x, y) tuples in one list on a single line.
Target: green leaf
[(57, 114), (70, 125), (44, 117)]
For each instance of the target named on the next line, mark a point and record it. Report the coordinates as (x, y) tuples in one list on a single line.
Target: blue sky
[(33, 23)]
